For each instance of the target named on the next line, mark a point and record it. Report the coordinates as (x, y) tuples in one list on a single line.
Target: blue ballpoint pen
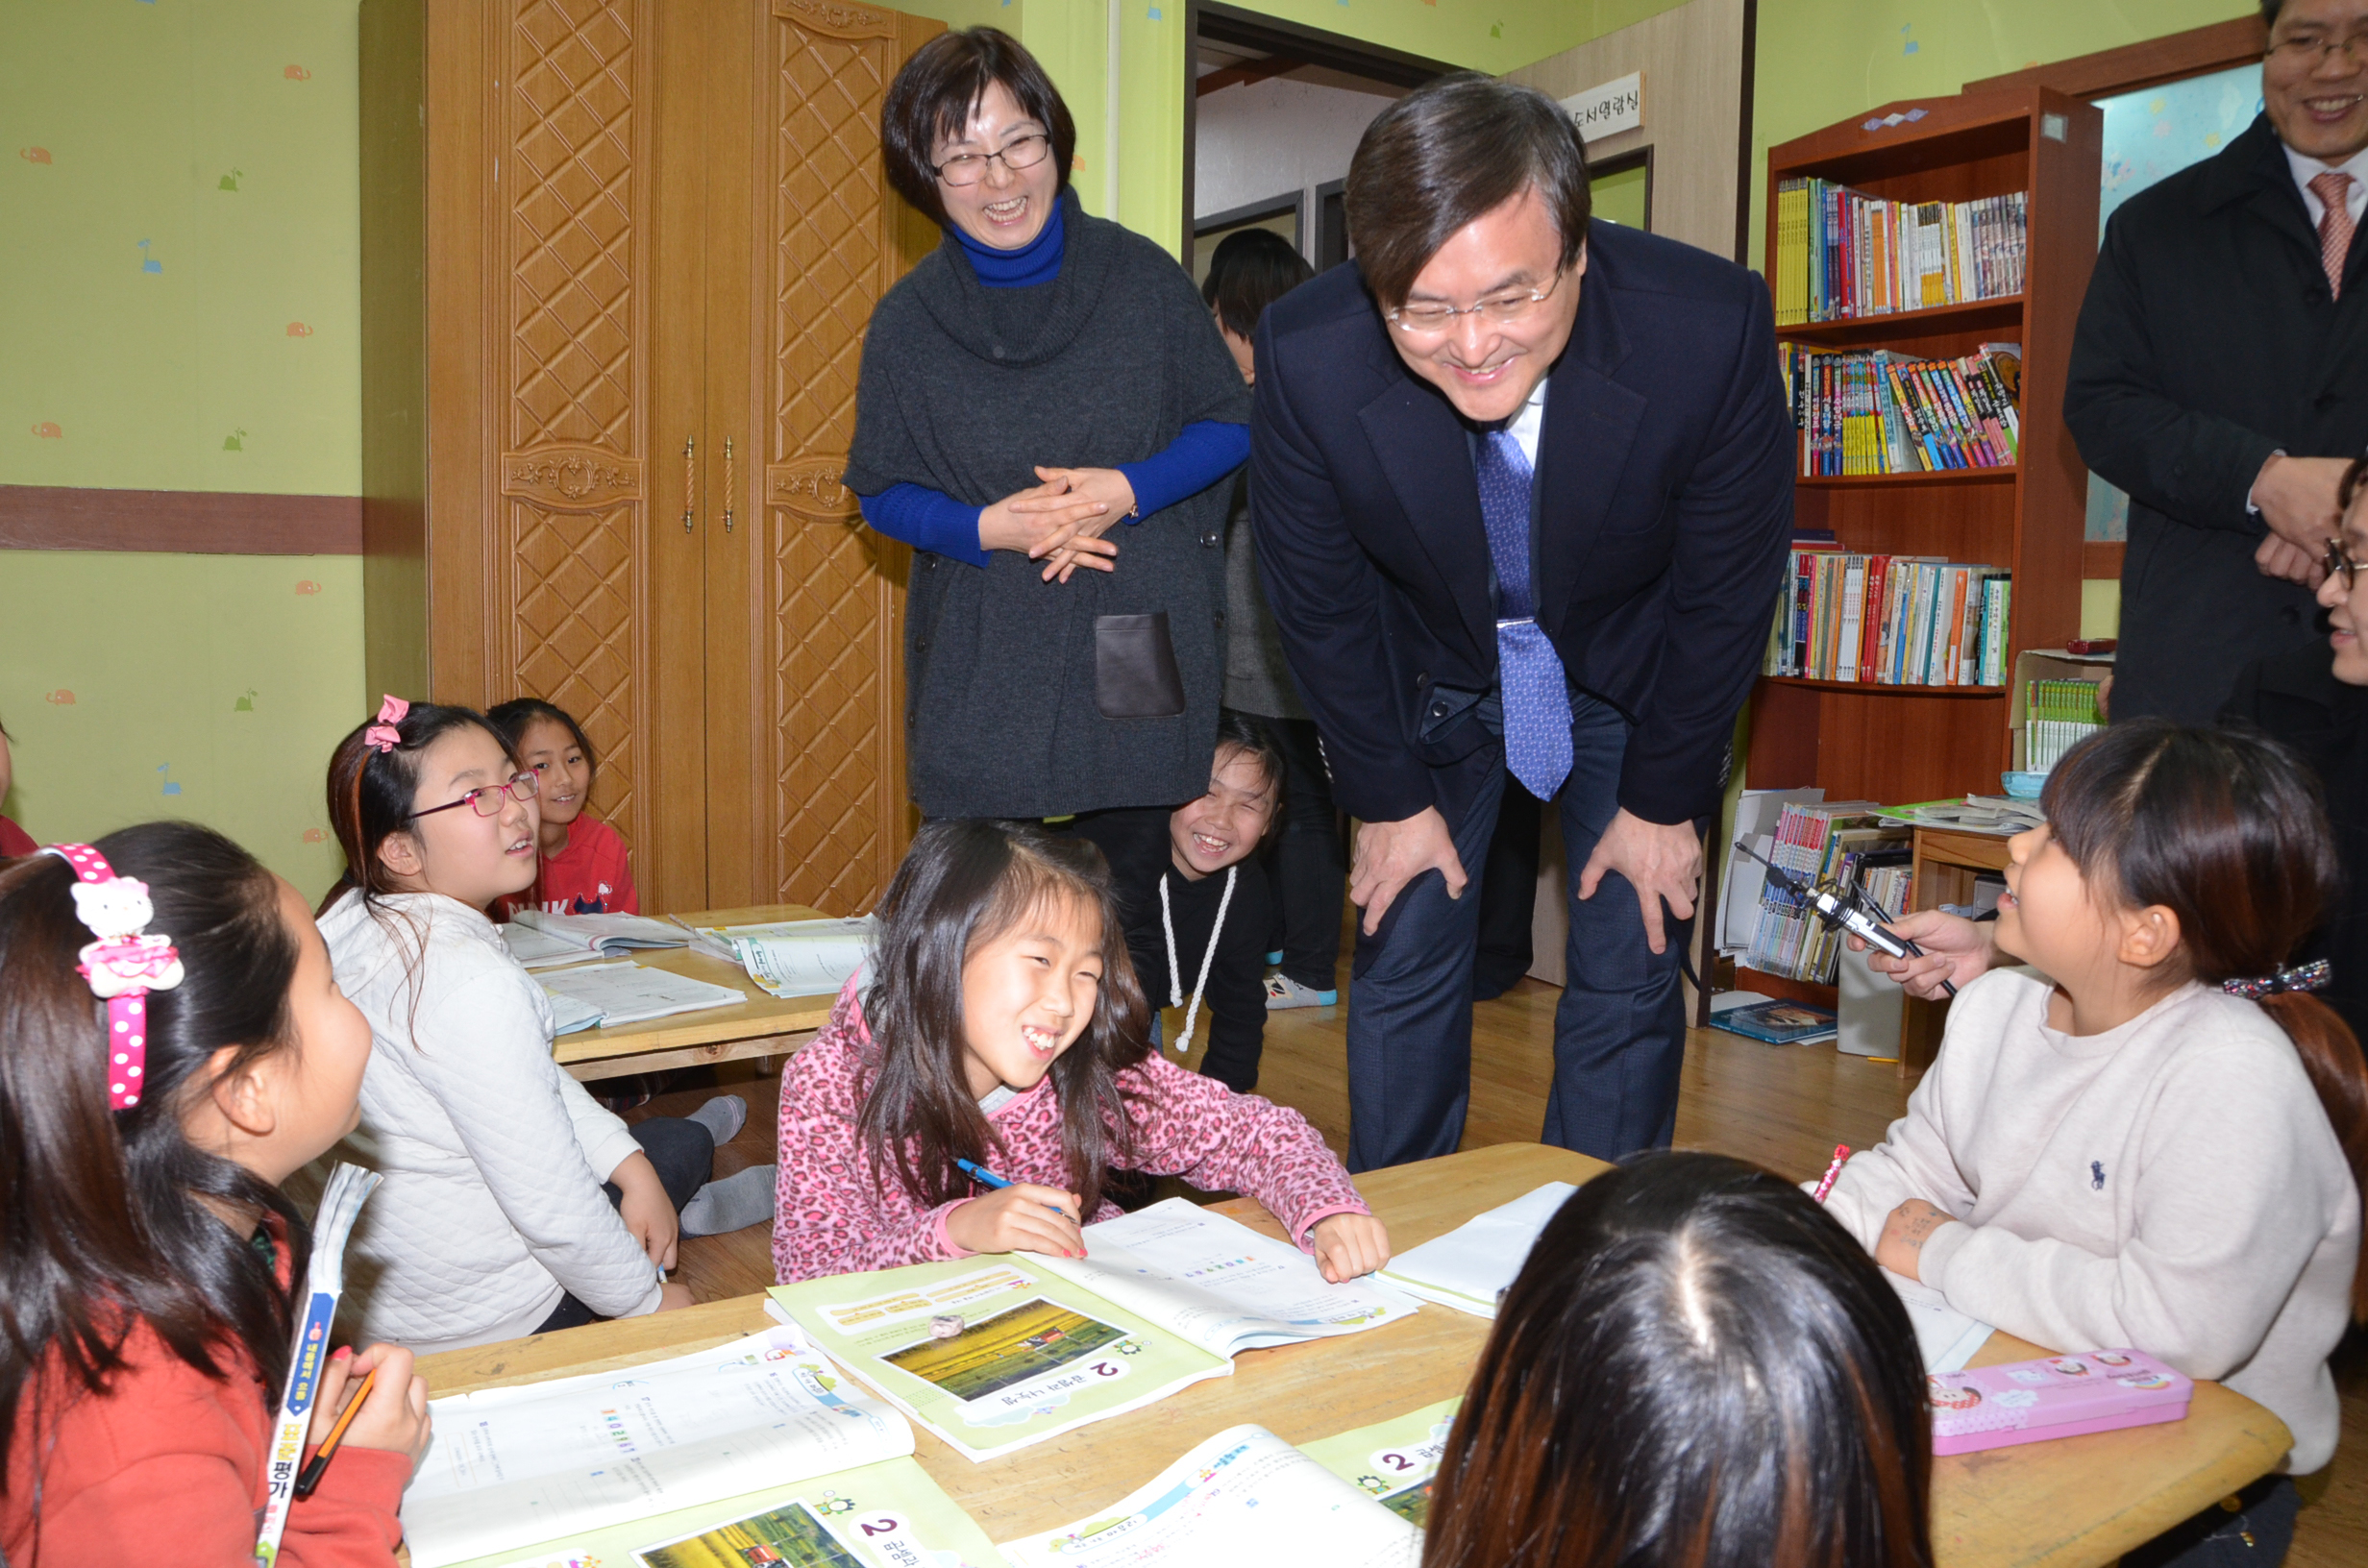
[(981, 1174)]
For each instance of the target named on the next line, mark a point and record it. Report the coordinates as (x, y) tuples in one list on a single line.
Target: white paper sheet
[(512, 1467), (1217, 1282), (1944, 1336), (625, 992), (1242, 1498), (1472, 1265)]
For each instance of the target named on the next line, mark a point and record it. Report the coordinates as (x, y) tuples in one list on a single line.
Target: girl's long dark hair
[(1696, 1368), (99, 1228), (2225, 829), (964, 884)]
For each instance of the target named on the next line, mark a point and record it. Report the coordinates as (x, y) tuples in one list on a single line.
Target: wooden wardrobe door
[(596, 365), (807, 799)]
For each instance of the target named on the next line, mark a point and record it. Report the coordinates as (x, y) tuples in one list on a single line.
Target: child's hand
[(1018, 1219), (1904, 1234), (673, 1297), (646, 1208), (1350, 1245), (1956, 949), (393, 1417)]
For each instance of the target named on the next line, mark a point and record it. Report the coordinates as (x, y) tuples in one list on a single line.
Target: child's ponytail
[(2225, 829)]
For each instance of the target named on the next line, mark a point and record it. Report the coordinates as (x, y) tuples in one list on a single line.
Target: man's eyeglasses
[(2338, 561), (2313, 48), (486, 799), (1021, 152), (1434, 318)]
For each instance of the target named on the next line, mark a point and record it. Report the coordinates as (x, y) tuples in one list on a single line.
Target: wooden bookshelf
[(1895, 744)]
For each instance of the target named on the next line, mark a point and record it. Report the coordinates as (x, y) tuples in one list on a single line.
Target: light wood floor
[(1783, 1106)]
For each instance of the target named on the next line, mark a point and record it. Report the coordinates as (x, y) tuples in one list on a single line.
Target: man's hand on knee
[(1662, 861), (1389, 855)]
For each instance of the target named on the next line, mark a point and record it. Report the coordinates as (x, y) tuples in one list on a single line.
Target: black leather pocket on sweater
[(1135, 673)]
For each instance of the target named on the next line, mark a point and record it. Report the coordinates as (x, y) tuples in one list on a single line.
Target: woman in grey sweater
[(1039, 379)]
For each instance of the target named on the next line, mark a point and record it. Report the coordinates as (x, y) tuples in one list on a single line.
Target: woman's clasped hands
[(1061, 521)]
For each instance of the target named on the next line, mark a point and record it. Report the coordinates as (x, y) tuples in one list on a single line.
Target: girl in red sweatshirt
[(172, 1046), (1003, 1026)]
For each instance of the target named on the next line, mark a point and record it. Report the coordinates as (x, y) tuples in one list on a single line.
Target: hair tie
[(123, 966), (2310, 976), (383, 735)]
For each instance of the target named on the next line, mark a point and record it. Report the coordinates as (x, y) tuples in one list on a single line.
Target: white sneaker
[(1283, 991)]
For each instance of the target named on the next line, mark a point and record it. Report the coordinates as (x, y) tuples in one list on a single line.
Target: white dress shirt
[(2307, 170)]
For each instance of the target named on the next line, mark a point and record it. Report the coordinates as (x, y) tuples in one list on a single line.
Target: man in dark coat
[(2220, 372), (1522, 486)]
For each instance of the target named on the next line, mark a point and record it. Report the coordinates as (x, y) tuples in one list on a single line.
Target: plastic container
[(2023, 786), (2056, 1396)]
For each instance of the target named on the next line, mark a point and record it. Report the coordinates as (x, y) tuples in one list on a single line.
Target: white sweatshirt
[(2170, 1186), (493, 1158)]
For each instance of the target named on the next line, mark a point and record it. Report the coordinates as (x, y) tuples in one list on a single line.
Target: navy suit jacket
[(1662, 511)]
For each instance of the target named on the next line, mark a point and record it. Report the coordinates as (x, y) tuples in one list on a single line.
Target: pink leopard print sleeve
[(829, 1217), (1197, 1128)]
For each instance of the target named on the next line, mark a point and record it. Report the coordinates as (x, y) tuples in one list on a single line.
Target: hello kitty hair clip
[(123, 966), (383, 735)]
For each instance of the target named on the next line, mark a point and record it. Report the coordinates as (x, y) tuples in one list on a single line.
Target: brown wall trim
[(2101, 559), (2135, 65), (180, 522)]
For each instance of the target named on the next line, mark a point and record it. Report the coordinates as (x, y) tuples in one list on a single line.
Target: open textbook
[(587, 935), (1246, 1497), (1472, 1266), (758, 1439), (594, 995), (792, 958), (996, 1352)]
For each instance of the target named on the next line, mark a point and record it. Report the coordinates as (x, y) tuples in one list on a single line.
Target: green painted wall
[(220, 356)]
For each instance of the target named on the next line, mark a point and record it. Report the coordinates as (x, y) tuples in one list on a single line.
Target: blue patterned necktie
[(1536, 702)]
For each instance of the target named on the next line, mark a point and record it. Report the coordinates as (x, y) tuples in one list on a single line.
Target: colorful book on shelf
[(1866, 413), (1842, 842), (1843, 253), (755, 1441), (999, 1352), (1889, 620)]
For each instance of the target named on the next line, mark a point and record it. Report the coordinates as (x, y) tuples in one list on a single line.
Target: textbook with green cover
[(996, 1352), (1393, 1461), (758, 1443)]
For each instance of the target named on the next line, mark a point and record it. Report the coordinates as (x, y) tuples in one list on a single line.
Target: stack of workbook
[(1883, 412), (1830, 842), (993, 1353), (1842, 252), (541, 941), (1889, 620), (791, 958), (612, 996)]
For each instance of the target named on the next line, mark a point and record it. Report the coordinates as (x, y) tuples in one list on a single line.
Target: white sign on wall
[(1609, 109)]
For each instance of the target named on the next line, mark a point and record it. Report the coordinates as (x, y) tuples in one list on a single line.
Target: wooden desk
[(763, 1026), (2082, 1500)]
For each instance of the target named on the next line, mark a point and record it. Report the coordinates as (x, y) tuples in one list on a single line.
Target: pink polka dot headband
[(123, 966)]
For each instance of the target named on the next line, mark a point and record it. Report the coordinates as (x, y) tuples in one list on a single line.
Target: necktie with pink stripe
[(2333, 188)]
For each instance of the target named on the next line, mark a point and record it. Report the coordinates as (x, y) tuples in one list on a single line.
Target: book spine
[(1871, 634), (1853, 608)]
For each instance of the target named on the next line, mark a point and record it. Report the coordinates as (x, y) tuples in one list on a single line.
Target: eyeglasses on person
[(1435, 318), (2313, 48), (1022, 152), (486, 799)]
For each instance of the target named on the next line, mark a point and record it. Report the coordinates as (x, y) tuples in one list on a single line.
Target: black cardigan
[(2296, 698), (965, 389)]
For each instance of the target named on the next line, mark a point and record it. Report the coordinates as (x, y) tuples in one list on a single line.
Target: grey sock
[(732, 1204), (723, 1117)]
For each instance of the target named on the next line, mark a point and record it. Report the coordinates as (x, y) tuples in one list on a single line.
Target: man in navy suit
[(1523, 488)]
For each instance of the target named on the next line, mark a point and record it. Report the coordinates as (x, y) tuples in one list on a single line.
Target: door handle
[(690, 481), (728, 491)]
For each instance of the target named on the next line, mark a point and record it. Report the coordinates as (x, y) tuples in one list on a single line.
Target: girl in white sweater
[(2162, 1145), (493, 1221)]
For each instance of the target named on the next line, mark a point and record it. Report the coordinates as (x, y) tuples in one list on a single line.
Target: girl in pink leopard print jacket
[(1002, 1025)]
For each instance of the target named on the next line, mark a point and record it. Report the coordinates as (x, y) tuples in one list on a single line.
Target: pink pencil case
[(2056, 1396)]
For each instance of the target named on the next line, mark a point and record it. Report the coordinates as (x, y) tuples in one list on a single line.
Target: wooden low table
[(2069, 1504), (765, 1025)]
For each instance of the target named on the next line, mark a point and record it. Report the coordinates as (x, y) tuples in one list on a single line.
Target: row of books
[(2058, 715), (1842, 843), (1889, 620), (1842, 252), (1884, 413)]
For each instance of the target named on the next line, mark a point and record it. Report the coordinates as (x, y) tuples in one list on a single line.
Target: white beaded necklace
[(1176, 978)]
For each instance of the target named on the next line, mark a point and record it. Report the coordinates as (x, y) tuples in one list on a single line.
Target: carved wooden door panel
[(807, 802), (592, 599)]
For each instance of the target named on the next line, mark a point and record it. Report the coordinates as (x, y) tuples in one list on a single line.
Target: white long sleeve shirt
[(2171, 1186), (493, 1158)]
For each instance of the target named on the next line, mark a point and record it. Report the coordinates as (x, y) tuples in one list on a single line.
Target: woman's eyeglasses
[(486, 799), (2338, 561), (1022, 152)]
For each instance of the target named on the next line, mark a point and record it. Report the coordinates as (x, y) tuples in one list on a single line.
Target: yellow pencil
[(314, 1472)]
